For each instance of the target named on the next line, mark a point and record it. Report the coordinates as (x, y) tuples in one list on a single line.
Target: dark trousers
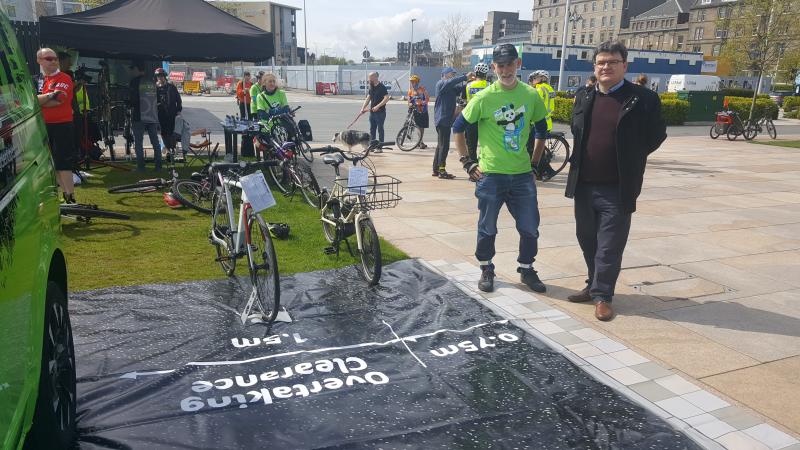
[(376, 120), (471, 135), (442, 147), (602, 229), (244, 111)]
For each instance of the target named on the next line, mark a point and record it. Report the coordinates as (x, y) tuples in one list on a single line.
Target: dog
[(351, 138)]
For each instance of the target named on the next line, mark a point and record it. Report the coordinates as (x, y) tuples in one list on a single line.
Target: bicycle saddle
[(557, 133), (333, 159)]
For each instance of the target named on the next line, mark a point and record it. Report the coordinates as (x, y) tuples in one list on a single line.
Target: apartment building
[(706, 33), (665, 27), (499, 26)]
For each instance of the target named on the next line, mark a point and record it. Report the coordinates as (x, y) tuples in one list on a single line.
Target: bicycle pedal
[(330, 251), (222, 258)]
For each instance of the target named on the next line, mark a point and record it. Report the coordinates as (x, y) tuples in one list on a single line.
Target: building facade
[(665, 27), (706, 33), (31, 10), (278, 19), (421, 47), (593, 21), (498, 27)]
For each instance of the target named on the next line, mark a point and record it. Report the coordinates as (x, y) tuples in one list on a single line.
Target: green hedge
[(792, 114), (562, 109), (668, 96), (739, 92), (782, 87), (791, 103), (564, 94), (674, 111), (764, 107)]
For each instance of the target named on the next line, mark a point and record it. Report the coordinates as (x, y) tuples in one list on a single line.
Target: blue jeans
[(138, 129), (518, 192), (376, 120)]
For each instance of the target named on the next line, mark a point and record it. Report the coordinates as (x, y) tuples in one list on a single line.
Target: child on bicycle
[(418, 102)]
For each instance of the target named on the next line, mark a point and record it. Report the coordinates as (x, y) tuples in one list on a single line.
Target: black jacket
[(640, 131)]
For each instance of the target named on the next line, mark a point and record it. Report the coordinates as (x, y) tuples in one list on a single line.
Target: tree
[(325, 60), (789, 66), (759, 33), (89, 4), (452, 31)]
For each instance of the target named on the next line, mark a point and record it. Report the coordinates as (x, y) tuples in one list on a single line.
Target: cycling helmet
[(160, 72), (171, 201), (414, 78), (279, 230), (539, 73), (481, 68)]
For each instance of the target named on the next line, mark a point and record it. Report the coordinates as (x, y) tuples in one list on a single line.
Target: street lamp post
[(305, 38), (411, 50), (568, 17)]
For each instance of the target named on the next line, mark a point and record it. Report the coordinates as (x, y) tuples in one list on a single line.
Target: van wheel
[(54, 419)]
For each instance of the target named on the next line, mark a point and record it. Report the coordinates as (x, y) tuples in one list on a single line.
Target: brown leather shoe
[(581, 297), (603, 311)]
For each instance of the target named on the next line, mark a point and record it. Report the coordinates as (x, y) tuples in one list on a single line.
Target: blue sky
[(343, 28)]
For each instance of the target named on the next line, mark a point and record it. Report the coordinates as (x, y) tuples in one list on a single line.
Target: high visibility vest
[(474, 87), (82, 97), (548, 95)]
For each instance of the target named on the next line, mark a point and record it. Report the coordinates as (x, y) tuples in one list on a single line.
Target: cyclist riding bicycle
[(481, 71), (418, 101)]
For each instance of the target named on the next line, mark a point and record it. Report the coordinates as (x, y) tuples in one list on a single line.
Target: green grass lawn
[(162, 245), (780, 143)]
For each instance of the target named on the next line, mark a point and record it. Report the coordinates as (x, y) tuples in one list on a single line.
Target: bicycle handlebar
[(242, 165), (347, 155)]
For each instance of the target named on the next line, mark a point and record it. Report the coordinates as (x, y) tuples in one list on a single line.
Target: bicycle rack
[(247, 314)]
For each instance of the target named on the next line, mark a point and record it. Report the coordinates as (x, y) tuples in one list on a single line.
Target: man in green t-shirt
[(505, 112)]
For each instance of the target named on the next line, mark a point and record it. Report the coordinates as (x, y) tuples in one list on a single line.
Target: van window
[(16, 99)]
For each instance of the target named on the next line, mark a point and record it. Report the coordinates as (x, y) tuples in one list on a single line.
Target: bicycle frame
[(241, 235), (356, 214)]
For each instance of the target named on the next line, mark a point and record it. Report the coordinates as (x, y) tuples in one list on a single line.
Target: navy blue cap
[(504, 53)]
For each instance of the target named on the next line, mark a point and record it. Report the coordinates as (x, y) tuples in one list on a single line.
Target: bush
[(764, 107), (562, 109), (668, 96), (782, 87), (791, 103), (674, 111), (565, 94), (739, 92), (792, 114)]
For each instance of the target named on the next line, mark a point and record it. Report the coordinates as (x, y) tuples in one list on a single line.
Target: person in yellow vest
[(481, 71), (538, 80), (80, 111), (255, 89)]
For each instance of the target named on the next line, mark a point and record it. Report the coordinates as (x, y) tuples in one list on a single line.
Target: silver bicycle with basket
[(345, 210)]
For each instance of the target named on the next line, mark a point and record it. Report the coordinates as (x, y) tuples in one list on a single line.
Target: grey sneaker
[(486, 283), (531, 279)]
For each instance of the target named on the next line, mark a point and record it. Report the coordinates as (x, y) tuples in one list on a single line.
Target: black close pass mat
[(413, 364)]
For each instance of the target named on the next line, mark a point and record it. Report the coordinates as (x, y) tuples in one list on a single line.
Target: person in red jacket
[(243, 96), (56, 103)]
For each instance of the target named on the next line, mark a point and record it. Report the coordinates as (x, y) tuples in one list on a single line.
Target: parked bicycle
[(85, 212), (737, 128), (244, 233), (410, 135), (555, 157), (765, 124), (194, 193), (290, 175), (283, 128), (344, 211)]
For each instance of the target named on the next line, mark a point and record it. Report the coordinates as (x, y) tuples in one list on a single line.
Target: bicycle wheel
[(773, 133), (221, 229), (193, 194), (750, 131), (308, 184), (305, 151), (327, 229), (90, 211), (280, 177), (733, 131), (140, 187), (714, 131), (408, 138), (370, 252), (279, 132), (263, 266), (557, 153)]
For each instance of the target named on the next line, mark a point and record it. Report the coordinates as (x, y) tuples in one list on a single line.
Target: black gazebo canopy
[(170, 30)]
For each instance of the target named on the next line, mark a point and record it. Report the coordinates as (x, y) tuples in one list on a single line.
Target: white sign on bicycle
[(258, 193), (357, 180)]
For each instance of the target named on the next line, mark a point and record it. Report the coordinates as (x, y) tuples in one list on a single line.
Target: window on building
[(701, 15), (594, 6), (549, 12), (705, 2), (555, 26), (603, 22), (584, 54), (591, 22), (696, 49), (585, 7), (698, 33), (715, 49), (679, 45), (612, 21), (605, 5), (591, 38), (583, 39), (641, 42), (11, 10), (602, 36), (549, 27), (721, 34), (572, 40), (613, 4)]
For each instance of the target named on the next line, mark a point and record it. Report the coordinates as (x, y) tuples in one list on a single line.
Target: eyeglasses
[(50, 58), (609, 63)]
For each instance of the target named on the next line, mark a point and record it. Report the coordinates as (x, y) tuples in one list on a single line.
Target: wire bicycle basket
[(381, 192)]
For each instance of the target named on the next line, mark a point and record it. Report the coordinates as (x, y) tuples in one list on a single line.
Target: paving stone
[(568, 324), (608, 345), (679, 407), (537, 306), (715, 429), (774, 438), (677, 384), (705, 400), (566, 339), (588, 334), (548, 328), (628, 357), (687, 288), (652, 391), (652, 370), (649, 275), (626, 376), (604, 362), (736, 417)]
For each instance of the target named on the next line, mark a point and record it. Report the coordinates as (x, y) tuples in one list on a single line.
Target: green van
[(37, 359)]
